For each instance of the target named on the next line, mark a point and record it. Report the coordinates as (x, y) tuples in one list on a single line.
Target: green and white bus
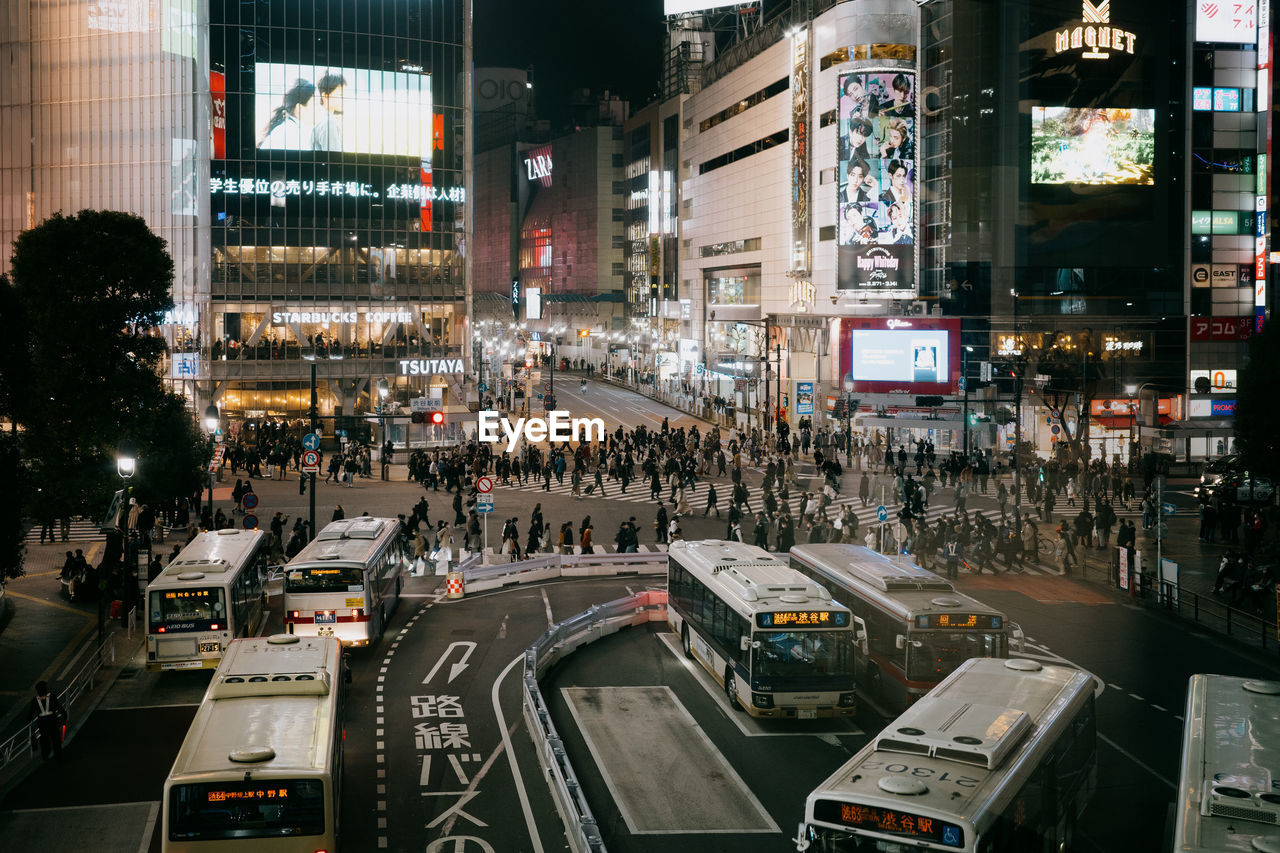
[(1001, 757), (774, 640)]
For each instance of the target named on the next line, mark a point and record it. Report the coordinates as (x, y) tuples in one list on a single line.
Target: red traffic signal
[(437, 418), (528, 363)]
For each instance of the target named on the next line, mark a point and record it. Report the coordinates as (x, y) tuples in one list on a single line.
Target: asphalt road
[(438, 757)]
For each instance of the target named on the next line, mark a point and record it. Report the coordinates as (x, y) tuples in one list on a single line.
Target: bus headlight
[(762, 700), (848, 700)]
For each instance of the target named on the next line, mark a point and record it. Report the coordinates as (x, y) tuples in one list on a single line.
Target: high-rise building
[(305, 162)]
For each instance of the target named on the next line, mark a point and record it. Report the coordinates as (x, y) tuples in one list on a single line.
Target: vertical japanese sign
[(800, 250), (875, 182), (218, 95)]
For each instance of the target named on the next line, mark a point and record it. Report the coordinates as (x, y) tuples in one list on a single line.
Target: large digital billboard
[(1089, 145), (900, 355), (348, 110), (875, 181)]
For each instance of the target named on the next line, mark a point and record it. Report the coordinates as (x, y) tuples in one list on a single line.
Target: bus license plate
[(806, 714), (323, 618), (210, 647)]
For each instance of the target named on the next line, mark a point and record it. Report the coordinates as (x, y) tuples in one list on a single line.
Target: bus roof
[(750, 577), (905, 588), (349, 540), (980, 722), (272, 697), (208, 558), (1231, 749)]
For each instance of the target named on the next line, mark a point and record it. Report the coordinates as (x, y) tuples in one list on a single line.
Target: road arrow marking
[(457, 668)]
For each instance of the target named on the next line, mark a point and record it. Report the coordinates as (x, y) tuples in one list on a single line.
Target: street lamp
[(126, 467), (383, 390), (211, 420)]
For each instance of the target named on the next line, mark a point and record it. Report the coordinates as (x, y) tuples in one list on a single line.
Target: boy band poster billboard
[(875, 181)]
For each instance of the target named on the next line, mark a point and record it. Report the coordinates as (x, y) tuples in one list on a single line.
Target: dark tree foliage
[(1258, 406), (96, 284), (13, 475)]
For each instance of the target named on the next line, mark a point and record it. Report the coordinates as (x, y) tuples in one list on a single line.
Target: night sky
[(597, 44)]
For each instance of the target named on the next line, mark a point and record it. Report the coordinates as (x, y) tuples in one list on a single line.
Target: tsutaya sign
[(281, 318), (1093, 35), (429, 366)]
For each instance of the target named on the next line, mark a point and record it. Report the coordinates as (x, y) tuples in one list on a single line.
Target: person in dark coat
[(47, 716)]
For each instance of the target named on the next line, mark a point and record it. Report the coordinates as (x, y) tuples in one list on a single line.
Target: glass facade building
[(304, 159)]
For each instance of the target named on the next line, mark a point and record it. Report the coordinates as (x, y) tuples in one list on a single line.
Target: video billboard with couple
[(356, 111)]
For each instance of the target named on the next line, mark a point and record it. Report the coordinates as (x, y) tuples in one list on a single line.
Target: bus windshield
[(940, 652), (267, 808), (825, 840), (176, 610), (324, 579), (802, 653)]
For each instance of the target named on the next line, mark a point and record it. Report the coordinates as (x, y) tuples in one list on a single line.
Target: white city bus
[(1001, 757), (261, 766), (918, 627), (1228, 791), (346, 582), (774, 639), (209, 595)]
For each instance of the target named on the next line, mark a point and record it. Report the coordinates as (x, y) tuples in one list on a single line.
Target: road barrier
[(559, 640), (479, 577)]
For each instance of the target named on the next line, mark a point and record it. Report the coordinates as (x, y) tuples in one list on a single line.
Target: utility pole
[(315, 426), (964, 386)]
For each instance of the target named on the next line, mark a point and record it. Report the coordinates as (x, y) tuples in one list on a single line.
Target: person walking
[(48, 717), (711, 501), (587, 548)]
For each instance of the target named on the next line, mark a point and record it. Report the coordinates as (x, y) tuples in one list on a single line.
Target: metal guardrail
[(21, 745), (559, 640), (478, 578)]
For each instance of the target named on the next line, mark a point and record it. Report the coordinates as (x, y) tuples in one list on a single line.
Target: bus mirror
[(900, 642), (1017, 637), (802, 843), (860, 639), (744, 643)]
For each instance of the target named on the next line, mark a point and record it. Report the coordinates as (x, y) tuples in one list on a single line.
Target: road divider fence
[(560, 640), (479, 578)]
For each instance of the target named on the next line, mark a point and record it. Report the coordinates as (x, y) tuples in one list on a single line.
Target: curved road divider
[(559, 640)]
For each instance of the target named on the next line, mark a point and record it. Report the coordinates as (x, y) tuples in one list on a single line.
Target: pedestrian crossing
[(866, 515), (81, 530)]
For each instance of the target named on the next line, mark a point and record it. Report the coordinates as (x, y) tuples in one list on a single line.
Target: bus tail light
[(213, 626), (355, 613), (848, 700), (295, 614), (160, 630), (762, 700)]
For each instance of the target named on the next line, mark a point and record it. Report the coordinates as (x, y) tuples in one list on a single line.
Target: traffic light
[(418, 417), (437, 418), (528, 363), (973, 418)]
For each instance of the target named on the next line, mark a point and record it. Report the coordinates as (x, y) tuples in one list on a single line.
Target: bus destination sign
[(889, 822), (803, 619), (953, 621)]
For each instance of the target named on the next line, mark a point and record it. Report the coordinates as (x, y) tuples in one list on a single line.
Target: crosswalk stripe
[(866, 515), (79, 531)]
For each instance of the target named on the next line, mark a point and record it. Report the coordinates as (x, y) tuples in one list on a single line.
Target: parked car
[(1240, 487)]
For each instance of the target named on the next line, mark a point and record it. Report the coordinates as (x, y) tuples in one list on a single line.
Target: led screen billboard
[(1092, 145), (891, 355), (875, 181), (348, 110)]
